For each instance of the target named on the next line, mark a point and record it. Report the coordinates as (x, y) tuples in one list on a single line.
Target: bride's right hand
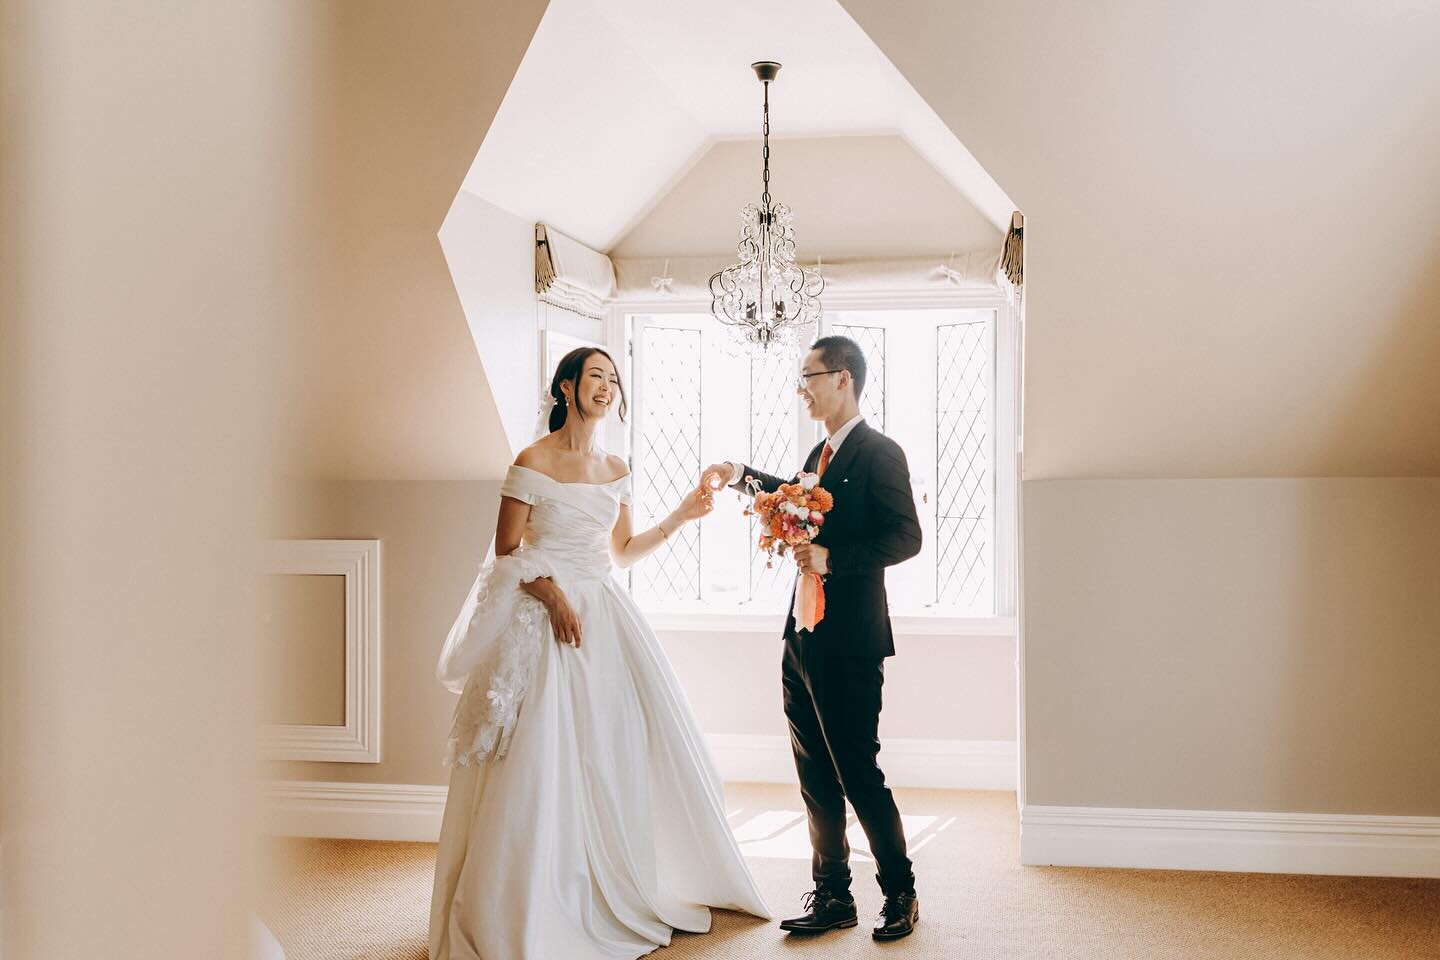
[(697, 503), (563, 620)]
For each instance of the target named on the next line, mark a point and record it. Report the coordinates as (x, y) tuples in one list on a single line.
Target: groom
[(832, 676)]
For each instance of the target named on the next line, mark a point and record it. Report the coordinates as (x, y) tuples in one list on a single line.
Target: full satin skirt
[(603, 828)]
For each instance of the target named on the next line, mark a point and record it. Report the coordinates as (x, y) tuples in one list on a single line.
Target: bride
[(585, 818)]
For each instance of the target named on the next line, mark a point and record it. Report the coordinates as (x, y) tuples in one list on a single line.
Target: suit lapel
[(813, 459), (835, 472)]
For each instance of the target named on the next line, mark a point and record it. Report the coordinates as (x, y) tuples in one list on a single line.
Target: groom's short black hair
[(842, 353)]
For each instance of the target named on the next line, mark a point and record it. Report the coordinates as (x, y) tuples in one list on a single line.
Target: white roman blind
[(570, 275)]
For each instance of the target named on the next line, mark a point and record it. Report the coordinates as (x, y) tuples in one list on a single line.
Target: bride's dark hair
[(572, 365)]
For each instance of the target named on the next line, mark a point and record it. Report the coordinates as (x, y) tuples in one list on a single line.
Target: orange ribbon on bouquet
[(809, 601)]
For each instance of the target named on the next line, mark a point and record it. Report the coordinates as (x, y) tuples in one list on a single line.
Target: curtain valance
[(688, 278)]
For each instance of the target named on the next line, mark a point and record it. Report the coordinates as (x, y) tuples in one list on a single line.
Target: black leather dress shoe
[(898, 917), (824, 911)]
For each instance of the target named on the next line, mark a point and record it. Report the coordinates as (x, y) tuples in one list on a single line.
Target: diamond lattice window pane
[(772, 449), (872, 345), (964, 491), (667, 448)]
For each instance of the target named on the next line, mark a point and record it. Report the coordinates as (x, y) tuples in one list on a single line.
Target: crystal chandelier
[(766, 300)]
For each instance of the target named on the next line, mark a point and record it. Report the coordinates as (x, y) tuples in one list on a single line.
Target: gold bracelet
[(660, 525)]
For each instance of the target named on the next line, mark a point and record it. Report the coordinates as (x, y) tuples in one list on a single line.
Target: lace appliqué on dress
[(493, 650)]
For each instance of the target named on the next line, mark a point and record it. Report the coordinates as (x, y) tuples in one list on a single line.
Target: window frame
[(1007, 451)]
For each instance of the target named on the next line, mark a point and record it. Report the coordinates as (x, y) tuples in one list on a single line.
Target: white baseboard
[(392, 811), (354, 811), (1341, 844), (941, 764)]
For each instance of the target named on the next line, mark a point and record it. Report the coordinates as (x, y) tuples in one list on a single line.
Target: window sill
[(710, 621)]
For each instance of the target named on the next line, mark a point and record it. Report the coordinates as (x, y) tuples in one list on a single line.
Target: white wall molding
[(940, 764), (358, 741), (391, 811), (354, 811), (1341, 844)]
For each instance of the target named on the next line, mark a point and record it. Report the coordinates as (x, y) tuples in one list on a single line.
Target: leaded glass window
[(940, 407), (963, 514), (872, 345), (667, 455), (773, 408)]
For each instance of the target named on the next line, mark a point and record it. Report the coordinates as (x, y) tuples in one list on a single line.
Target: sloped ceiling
[(1232, 219), (615, 102), (852, 197)]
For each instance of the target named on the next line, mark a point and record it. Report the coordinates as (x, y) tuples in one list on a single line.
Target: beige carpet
[(334, 899)]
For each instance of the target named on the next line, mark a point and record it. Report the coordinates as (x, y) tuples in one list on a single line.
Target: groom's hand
[(717, 476), (812, 558)]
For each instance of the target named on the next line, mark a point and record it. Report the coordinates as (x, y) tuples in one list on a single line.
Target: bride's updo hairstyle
[(571, 367)]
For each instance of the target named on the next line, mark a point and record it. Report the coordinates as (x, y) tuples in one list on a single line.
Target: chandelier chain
[(765, 151)]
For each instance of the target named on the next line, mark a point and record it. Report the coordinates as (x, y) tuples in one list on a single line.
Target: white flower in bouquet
[(808, 481)]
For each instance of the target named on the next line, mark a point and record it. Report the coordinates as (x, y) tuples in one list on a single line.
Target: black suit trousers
[(833, 705)]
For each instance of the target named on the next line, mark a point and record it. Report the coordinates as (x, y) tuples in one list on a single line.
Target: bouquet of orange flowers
[(790, 516)]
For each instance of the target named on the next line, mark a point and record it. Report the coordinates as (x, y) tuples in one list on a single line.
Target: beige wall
[(895, 202), (936, 688), (305, 659), (1233, 270), (1235, 644)]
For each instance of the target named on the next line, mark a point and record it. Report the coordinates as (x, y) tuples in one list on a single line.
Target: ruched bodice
[(571, 522)]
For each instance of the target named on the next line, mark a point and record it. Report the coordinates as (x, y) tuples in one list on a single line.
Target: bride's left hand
[(697, 503)]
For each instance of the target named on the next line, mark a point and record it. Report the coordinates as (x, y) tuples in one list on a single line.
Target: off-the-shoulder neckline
[(570, 483)]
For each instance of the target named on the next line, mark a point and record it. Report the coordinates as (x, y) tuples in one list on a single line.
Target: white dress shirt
[(836, 438)]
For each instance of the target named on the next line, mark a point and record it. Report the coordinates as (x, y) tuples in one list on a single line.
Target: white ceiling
[(616, 100), (861, 196), (833, 79)]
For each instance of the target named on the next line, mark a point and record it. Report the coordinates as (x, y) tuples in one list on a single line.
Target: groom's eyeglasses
[(803, 381)]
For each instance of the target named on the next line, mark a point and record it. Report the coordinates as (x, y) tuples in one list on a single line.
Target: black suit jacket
[(872, 526)]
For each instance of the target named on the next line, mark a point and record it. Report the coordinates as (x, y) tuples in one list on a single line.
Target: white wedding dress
[(590, 821)]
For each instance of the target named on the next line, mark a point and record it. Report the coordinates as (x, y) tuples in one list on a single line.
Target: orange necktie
[(825, 454)]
